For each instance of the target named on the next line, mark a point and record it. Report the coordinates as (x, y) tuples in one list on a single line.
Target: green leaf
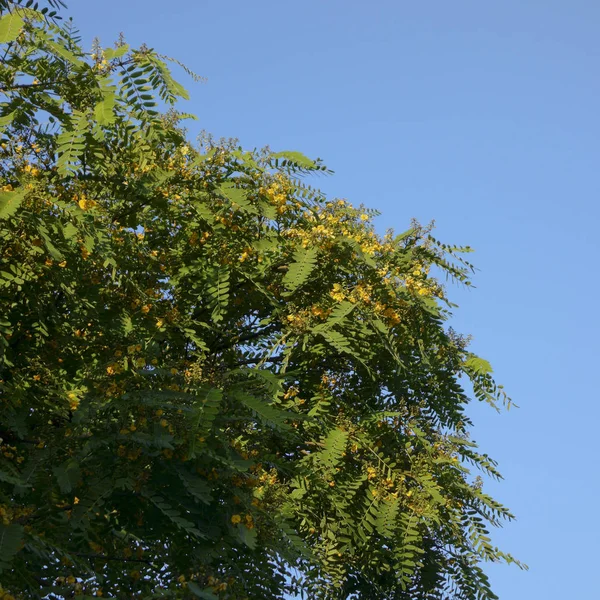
[(104, 110), (268, 414), (296, 157), (6, 120), (67, 475), (112, 53), (54, 252), (64, 52), (238, 196), (247, 536), (205, 593), (71, 144), (11, 537), (477, 364), (218, 291), (70, 231), (299, 271), (10, 202), (10, 26), (334, 446)]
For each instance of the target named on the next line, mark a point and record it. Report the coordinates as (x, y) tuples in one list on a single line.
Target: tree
[(214, 381)]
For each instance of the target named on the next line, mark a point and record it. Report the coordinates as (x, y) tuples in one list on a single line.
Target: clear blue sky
[(484, 116)]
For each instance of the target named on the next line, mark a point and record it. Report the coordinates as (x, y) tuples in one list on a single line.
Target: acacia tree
[(214, 381)]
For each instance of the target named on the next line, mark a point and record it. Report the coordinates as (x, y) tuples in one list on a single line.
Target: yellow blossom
[(235, 519)]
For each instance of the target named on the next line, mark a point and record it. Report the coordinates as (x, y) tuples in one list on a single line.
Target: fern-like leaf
[(218, 291), (299, 271), (71, 144), (11, 537)]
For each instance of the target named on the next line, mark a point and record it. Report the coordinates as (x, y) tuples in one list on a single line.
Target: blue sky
[(482, 116)]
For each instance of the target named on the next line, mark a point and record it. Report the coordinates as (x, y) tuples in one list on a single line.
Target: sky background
[(482, 116)]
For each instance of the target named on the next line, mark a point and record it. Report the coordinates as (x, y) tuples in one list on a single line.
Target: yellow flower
[(73, 401), (146, 308), (62, 264), (235, 519), (364, 217), (84, 203)]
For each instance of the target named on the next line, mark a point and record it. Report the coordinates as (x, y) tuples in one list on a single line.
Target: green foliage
[(214, 381), (304, 261)]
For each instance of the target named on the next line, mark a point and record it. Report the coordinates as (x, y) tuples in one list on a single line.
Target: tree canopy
[(215, 382)]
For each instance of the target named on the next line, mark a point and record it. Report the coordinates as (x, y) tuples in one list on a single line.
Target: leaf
[(247, 536), (205, 593), (268, 414), (14, 480), (54, 252), (6, 120), (203, 414), (104, 110), (67, 475), (238, 196), (10, 202), (174, 515), (337, 340), (386, 516), (71, 144), (10, 26), (112, 53), (404, 235), (218, 291), (198, 487), (334, 446), (64, 52), (337, 316), (296, 157), (477, 364), (11, 537), (299, 271), (70, 231)]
